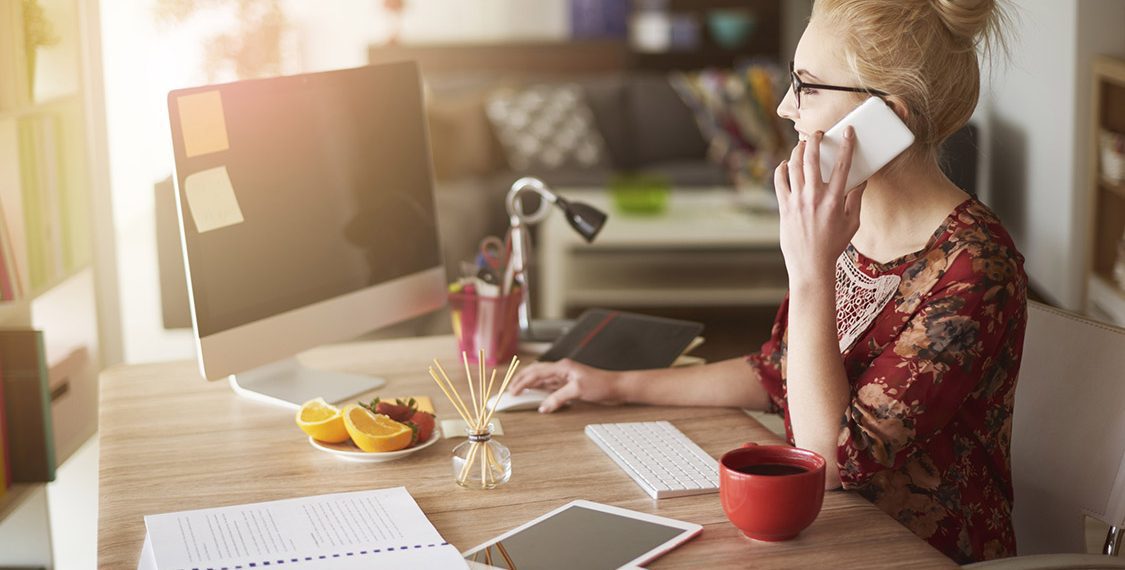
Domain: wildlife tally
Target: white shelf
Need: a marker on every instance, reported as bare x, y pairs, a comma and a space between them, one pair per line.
706, 250
1108, 298
67, 91
32, 108
16, 495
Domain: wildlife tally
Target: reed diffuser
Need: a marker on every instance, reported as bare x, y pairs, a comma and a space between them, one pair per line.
481, 462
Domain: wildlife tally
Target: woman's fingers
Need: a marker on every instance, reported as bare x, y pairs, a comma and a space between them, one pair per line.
796, 171
843, 164
781, 185
812, 159
568, 392
538, 375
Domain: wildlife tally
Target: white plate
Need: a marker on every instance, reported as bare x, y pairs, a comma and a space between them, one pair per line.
349, 452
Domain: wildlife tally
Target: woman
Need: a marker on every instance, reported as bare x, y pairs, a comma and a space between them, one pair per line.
896, 352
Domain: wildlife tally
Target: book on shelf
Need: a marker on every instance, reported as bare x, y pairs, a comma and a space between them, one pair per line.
619, 340
14, 88
52, 197
5, 458
27, 405
12, 234
9, 286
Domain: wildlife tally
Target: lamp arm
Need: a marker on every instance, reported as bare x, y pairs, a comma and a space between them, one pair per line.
520, 223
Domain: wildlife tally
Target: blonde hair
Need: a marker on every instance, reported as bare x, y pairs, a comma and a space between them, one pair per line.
923, 53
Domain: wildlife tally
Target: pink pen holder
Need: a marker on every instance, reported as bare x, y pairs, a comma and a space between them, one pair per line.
485, 322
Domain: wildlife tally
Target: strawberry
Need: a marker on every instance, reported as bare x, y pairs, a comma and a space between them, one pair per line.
422, 423
399, 410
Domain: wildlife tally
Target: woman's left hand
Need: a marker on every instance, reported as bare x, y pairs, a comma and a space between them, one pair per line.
818, 220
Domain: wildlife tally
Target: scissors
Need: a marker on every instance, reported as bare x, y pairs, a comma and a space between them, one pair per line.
494, 253
493, 256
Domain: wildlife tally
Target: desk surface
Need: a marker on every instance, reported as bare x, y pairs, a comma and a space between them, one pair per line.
171, 441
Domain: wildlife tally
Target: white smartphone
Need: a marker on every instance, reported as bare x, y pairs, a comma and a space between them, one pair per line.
880, 137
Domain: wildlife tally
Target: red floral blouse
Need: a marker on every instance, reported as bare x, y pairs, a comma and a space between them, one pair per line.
933, 379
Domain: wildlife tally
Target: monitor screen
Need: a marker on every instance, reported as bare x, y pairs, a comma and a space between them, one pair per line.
297, 190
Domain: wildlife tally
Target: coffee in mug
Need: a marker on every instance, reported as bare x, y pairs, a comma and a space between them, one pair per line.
771, 492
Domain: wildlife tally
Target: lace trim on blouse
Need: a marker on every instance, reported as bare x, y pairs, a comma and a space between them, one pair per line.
859, 299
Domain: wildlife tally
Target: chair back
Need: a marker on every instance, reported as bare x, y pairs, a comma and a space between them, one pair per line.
1068, 431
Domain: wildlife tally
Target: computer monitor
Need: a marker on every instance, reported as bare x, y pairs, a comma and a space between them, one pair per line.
307, 216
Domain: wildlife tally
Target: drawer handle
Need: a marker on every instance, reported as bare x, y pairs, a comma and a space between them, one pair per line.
60, 390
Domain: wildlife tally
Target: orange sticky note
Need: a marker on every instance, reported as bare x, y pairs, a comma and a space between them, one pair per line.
203, 123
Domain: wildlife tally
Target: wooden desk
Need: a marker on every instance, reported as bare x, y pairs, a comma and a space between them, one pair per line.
171, 441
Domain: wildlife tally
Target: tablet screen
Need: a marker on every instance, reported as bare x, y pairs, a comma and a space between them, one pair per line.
576, 537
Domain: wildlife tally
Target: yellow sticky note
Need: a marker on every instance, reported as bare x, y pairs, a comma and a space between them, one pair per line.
210, 197
203, 124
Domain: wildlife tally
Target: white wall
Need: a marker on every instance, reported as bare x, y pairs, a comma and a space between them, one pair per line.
794, 17
447, 21
1037, 112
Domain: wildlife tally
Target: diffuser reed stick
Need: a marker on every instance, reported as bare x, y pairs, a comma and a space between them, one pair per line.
477, 415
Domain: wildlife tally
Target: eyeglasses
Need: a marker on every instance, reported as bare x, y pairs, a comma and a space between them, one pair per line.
797, 86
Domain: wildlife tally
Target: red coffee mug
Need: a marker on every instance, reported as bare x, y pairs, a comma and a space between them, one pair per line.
771, 492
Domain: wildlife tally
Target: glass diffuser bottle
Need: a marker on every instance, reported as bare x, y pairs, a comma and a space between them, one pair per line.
481, 462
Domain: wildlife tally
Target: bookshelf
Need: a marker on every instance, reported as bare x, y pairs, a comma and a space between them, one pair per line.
1105, 294
56, 263
764, 41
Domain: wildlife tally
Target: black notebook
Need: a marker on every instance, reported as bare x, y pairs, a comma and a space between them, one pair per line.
617, 340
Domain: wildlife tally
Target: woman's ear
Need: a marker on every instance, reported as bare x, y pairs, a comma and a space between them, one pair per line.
899, 108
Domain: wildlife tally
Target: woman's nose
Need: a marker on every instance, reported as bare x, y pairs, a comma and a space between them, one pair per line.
787, 109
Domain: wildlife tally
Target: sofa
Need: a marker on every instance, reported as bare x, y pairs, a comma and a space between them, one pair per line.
646, 127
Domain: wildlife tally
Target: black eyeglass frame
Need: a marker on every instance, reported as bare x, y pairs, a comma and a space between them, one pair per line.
796, 84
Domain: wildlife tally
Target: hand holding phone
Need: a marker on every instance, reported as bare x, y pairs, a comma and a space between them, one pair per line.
880, 137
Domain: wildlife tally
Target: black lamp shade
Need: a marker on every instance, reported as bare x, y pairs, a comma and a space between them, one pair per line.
584, 218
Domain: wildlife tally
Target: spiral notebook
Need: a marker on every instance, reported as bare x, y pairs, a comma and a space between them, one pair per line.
383, 528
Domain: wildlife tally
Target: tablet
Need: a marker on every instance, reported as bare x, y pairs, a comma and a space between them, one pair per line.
583, 534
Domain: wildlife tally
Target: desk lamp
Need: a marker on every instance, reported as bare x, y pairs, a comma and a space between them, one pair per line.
584, 218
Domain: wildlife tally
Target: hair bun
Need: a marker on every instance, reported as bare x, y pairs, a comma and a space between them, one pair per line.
973, 20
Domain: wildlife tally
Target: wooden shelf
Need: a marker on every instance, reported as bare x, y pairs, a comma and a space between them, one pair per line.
691, 60
764, 40
702, 297
1105, 299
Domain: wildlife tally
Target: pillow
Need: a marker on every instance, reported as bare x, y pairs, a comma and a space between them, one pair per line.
546, 127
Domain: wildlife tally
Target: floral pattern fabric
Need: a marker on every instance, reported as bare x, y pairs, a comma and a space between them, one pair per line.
926, 434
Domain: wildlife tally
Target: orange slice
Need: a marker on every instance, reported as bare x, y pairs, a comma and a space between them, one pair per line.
322, 421
375, 432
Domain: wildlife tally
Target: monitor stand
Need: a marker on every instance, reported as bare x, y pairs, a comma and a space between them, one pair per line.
287, 383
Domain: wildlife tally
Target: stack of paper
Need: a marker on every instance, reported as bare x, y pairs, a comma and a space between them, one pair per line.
365, 529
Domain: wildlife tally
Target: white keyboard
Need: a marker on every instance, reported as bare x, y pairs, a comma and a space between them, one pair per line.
659, 457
